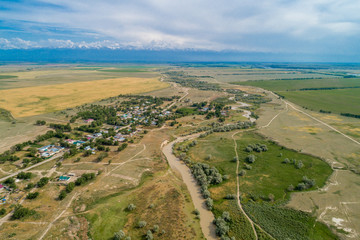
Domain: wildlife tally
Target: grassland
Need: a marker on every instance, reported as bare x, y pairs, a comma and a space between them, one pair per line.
30, 101
267, 176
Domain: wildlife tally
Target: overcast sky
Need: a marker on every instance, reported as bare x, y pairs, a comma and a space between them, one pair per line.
265, 26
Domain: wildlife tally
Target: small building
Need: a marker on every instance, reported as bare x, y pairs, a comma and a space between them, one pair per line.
64, 178
90, 120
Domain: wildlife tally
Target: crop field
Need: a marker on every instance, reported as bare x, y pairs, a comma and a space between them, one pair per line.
337, 95
29, 76
293, 85
30, 101
336, 101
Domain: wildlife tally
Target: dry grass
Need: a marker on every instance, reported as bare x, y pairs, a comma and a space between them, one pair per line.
30, 101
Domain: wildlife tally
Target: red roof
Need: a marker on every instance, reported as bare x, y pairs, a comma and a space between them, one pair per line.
1, 186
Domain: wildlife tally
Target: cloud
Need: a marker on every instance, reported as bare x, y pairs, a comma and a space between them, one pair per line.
241, 25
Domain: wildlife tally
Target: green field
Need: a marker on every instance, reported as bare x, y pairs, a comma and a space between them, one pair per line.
337, 95
7, 76
336, 101
267, 176
293, 85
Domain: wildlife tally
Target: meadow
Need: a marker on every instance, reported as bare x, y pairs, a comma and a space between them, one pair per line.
268, 176
22, 102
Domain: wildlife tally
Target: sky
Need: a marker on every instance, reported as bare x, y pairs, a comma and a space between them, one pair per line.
279, 27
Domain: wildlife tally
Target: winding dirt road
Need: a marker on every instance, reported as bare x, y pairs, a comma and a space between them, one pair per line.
206, 216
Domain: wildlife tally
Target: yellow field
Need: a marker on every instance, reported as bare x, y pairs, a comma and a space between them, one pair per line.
29, 101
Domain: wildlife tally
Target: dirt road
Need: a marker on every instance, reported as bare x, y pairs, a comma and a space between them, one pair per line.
206, 216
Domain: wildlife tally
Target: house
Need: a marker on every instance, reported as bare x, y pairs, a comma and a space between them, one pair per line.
45, 148
64, 178
1, 187
70, 141
90, 120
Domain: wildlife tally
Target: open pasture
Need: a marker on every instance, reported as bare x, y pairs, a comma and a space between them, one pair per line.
30, 101
50, 75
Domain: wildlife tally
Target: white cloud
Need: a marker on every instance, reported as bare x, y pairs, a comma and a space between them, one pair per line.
195, 24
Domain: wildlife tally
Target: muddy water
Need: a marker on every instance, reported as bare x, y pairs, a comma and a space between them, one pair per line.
206, 216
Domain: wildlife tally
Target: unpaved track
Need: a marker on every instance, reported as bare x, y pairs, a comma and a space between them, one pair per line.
238, 190
31, 167
59, 216
312, 117
206, 216
238, 186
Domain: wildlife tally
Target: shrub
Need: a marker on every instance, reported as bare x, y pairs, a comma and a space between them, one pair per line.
299, 164
131, 207
290, 188
242, 173
156, 228
119, 235
221, 227
226, 216
209, 203
286, 161
149, 235
32, 195
2, 211
230, 196
250, 158
142, 224
29, 186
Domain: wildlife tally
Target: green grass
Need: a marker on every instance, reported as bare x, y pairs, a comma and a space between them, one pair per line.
5, 115
128, 70
284, 223
268, 175
336, 101
292, 85
7, 76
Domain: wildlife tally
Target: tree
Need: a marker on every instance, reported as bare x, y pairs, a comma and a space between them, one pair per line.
250, 158
32, 195
221, 227
206, 194
42, 182
226, 216
301, 186
62, 195
21, 212
70, 187
290, 188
